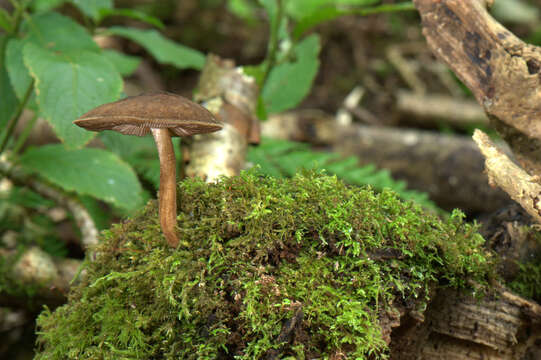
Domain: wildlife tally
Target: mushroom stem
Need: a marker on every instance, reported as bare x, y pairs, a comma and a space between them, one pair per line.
167, 195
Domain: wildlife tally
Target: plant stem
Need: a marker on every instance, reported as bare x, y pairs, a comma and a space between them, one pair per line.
273, 43
24, 134
13, 121
20, 8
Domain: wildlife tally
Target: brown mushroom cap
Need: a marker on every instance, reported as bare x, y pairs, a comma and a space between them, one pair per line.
136, 115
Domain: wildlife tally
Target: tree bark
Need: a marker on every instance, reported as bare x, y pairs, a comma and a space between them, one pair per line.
503, 72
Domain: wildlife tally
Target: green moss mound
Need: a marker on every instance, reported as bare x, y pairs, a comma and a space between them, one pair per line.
268, 268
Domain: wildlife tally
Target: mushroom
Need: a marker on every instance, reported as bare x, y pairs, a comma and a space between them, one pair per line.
164, 115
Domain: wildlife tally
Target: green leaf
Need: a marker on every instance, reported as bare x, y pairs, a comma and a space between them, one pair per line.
49, 30
46, 5
92, 8
8, 99
93, 172
6, 22
300, 9
271, 7
18, 73
128, 146
57, 32
163, 49
139, 152
70, 84
288, 83
100, 215
244, 9
124, 64
133, 14
310, 13
315, 18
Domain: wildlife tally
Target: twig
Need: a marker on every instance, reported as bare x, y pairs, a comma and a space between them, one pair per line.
455, 112
405, 68
521, 186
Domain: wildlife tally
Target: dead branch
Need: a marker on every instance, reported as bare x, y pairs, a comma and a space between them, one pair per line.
460, 326
450, 168
456, 112
502, 71
521, 186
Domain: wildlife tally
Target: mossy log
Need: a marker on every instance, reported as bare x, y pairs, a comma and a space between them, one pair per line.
299, 268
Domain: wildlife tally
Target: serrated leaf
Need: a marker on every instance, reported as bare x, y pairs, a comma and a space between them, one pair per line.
18, 73
93, 172
124, 64
133, 14
92, 8
290, 82
57, 32
51, 31
163, 49
70, 84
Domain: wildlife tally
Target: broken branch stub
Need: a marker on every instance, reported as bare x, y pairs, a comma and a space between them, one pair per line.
503, 72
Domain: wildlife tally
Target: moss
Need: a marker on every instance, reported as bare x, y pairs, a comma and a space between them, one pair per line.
527, 281
296, 267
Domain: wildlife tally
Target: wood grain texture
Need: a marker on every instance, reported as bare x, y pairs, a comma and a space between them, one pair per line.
503, 72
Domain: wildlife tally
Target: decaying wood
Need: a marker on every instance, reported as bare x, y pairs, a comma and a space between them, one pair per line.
232, 96
461, 326
504, 75
521, 186
508, 233
503, 72
449, 168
